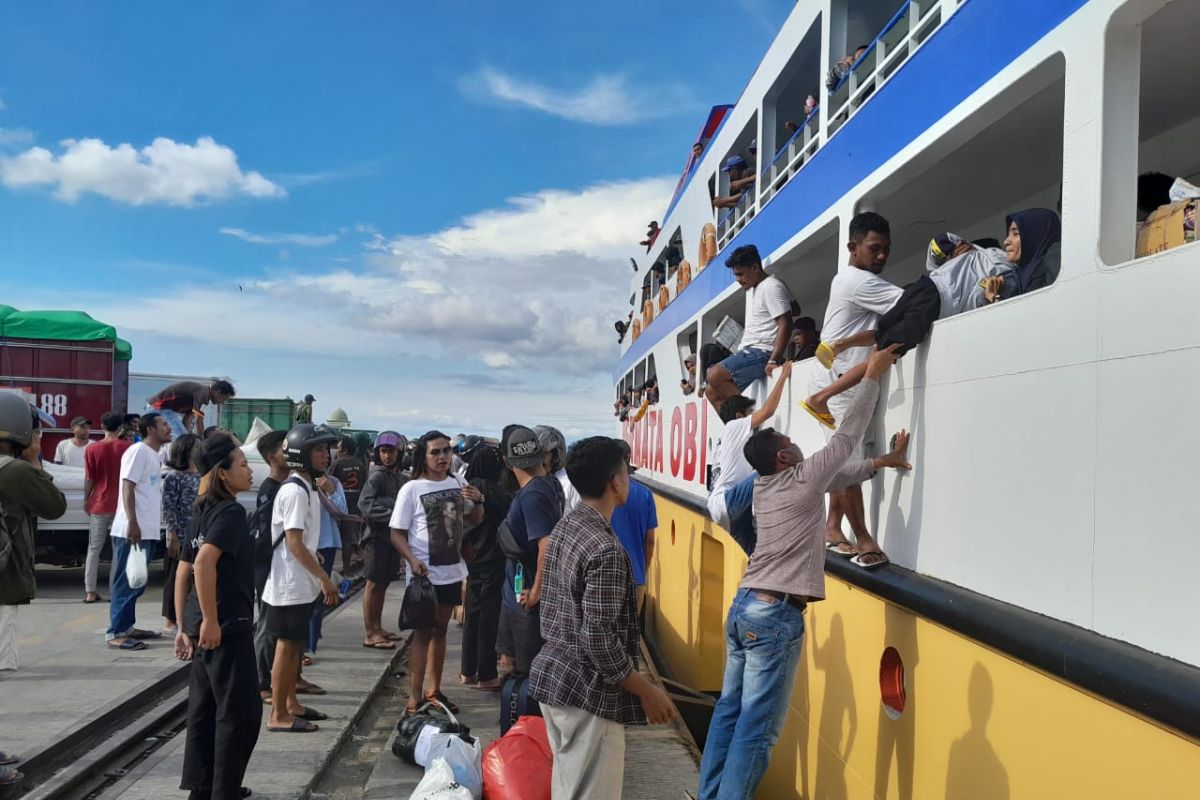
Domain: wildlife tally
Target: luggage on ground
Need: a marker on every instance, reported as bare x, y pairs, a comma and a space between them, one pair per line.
517, 766
515, 701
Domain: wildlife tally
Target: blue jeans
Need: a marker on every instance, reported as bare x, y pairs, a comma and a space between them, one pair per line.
122, 606
747, 366
763, 641
174, 420
739, 505
326, 554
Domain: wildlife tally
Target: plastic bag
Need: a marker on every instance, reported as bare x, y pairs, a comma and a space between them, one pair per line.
414, 730
517, 766
419, 610
137, 571
438, 784
465, 758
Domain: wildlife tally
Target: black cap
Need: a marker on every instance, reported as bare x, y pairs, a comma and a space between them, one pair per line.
212, 451
308, 398
521, 448
81, 421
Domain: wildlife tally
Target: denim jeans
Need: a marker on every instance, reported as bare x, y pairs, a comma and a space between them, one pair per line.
174, 420
763, 640
122, 608
739, 501
747, 366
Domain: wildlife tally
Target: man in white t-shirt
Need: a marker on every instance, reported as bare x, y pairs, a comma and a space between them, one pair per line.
729, 502
296, 579
858, 297
70, 451
768, 329
137, 523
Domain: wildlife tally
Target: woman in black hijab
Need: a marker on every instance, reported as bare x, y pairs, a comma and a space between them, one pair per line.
1033, 247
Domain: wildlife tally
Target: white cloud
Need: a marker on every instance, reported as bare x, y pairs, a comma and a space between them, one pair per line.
604, 100
164, 172
506, 316
298, 239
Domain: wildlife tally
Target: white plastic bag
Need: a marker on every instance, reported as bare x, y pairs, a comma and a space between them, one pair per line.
438, 784
464, 758
137, 571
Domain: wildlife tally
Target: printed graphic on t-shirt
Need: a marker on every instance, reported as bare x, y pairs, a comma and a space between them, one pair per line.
444, 519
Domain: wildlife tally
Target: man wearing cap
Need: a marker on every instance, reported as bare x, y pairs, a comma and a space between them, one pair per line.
741, 179
536, 509
304, 411
70, 451
381, 561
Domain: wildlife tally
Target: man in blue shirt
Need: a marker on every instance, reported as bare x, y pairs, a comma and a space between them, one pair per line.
535, 510
634, 523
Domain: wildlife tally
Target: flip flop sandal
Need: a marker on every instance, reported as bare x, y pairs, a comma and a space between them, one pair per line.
298, 726
6, 759
467, 681
837, 549
309, 688
98, 599
246, 791
445, 701
312, 715
825, 355
878, 560
306, 661
384, 645
10, 776
393, 637
825, 419
488, 686
129, 644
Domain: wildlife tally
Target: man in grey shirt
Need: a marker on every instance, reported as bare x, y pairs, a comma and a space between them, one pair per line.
765, 627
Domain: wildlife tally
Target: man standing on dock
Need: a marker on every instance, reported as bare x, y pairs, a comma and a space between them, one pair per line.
765, 627
586, 676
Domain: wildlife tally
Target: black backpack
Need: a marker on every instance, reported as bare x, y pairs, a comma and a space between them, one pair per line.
260, 529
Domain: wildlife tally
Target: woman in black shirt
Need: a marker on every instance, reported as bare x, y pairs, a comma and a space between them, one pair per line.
224, 710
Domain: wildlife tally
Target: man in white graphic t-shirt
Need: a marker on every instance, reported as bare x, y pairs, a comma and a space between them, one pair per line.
768, 329
137, 523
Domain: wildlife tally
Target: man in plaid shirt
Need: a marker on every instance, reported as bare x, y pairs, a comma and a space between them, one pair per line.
586, 677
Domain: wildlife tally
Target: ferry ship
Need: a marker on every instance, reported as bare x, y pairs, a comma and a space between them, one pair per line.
1037, 634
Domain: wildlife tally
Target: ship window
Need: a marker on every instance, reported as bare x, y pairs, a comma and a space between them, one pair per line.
686, 344
793, 137
809, 268
1005, 157
1162, 194
737, 191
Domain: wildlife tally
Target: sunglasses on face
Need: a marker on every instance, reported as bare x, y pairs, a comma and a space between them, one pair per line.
439, 451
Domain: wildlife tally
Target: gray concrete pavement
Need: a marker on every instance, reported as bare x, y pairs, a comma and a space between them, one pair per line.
67, 674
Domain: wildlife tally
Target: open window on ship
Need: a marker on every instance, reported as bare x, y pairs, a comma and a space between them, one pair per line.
735, 199
1168, 124
686, 343
791, 113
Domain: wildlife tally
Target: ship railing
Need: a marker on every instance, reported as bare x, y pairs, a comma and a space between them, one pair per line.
736, 218
794, 154
896, 43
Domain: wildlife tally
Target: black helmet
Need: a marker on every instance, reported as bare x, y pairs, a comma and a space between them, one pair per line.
16, 419
299, 444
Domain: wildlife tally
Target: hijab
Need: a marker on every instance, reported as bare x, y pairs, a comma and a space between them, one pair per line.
1040, 230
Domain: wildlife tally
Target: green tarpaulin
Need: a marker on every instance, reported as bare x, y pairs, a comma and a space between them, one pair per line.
70, 326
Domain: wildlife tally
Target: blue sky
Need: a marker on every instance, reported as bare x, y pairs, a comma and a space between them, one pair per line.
428, 207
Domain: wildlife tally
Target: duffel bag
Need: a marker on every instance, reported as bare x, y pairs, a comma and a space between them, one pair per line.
414, 731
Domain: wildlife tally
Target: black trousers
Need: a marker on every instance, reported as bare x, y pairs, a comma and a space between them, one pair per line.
168, 599
481, 620
224, 715
264, 648
908, 322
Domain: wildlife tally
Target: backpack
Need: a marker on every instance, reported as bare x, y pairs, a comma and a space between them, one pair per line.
260, 529
510, 545
6, 539
515, 701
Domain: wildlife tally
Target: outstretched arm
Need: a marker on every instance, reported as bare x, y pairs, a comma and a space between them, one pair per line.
768, 409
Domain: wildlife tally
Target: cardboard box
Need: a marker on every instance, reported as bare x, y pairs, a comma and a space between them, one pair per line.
1165, 229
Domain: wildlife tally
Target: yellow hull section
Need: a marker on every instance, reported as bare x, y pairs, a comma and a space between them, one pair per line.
977, 725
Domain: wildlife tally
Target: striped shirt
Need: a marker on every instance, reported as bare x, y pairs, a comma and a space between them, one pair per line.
588, 621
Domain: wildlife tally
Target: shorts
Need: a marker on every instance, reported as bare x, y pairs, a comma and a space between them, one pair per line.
289, 623
449, 594
909, 320
381, 562
747, 366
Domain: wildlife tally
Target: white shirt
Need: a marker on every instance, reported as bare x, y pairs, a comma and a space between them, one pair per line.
432, 512
289, 583
569, 490
731, 467
140, 464
857, 299
764, 304
69, 453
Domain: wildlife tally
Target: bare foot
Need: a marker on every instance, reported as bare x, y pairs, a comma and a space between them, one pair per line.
817, 405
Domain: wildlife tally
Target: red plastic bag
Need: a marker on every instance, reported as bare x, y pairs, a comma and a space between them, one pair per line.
517, 766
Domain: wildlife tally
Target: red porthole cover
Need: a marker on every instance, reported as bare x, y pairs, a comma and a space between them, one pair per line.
891, 682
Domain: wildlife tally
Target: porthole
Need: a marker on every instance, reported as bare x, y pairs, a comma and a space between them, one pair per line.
891, 683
